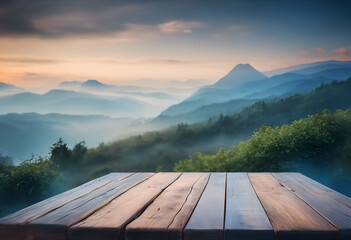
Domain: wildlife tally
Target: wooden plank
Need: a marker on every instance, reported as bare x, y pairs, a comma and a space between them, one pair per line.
55, 224
324, 201
167, 216
245, 217
316, 185
290, 217
109, 222
207, 220
14, 225
41, 208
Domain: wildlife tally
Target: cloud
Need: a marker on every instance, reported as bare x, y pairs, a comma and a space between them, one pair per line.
31, 60
320, 50
55, 19
321, 54
343, 51
179, 26
317, 51
149, 61
101, 19
31, 75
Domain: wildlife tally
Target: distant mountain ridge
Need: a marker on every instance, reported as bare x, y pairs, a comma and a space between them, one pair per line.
95, 85
221, 91
5, 87
72, 102
245, 82
23, 134
310, 68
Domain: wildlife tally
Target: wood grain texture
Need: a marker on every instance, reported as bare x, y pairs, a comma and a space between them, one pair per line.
14, 225
207, 220
245, 217
55, 224
109, 222
290, 217
316, 185
167, 216
323, 200
187, 206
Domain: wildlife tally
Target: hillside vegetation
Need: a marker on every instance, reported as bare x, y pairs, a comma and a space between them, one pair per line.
163, 149
322, 138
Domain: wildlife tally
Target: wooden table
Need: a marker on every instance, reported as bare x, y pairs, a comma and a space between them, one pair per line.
187, 206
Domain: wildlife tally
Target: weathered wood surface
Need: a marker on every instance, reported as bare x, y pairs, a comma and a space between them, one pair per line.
56, 222
207, 220
167, 216
15, 224
187, 206
324, 201
291, 218
245, 217
109, 222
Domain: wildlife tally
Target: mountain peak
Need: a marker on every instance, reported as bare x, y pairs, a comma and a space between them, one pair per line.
241, 73
93, 82
243, 66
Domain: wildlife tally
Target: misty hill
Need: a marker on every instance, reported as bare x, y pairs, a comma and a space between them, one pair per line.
9, 88
162, 149
204, 113
99, 88
233, 106
71, 102
96, 86
310, 68
70, 85
277, 86
23, 134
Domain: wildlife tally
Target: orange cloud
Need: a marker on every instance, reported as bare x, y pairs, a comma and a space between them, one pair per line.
343, 50
320, 50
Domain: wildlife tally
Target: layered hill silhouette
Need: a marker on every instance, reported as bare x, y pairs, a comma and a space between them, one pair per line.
71, 102
310, 68
33, 133
94, 86
165, 148
248, 85
9, 88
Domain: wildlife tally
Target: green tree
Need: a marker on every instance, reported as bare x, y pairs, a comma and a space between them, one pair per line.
27, 183
78, 153
61, 154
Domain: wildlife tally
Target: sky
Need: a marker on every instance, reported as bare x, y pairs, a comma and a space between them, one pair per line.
45, 42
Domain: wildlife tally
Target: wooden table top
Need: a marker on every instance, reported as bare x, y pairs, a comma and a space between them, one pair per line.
187, 206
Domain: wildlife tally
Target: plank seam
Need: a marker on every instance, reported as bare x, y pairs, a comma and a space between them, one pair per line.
195, 205
143, 210
51, 199
290, 190
37, 217
92, 198
186, 199
225, 205
248, 176
97, 209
